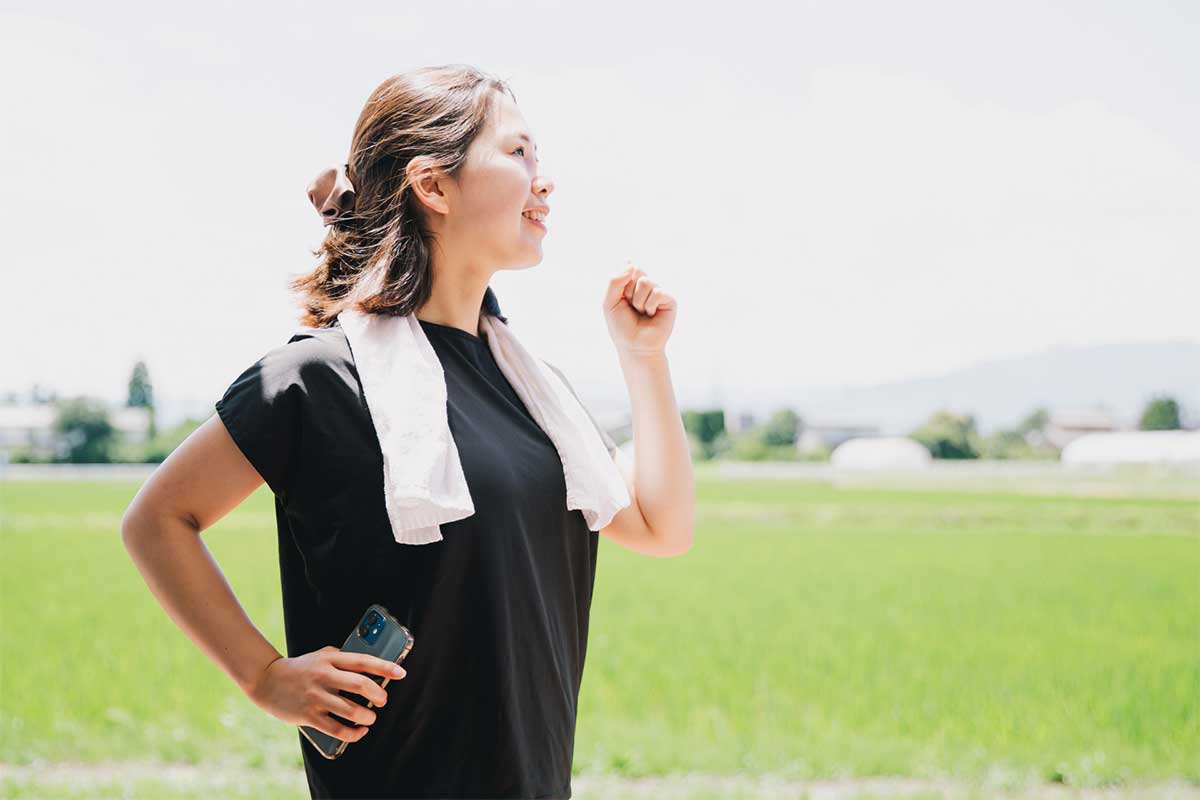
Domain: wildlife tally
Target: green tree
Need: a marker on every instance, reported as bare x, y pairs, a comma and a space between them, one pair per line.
1035, 421
949, 435
1005, 444
141, 394
781, 429
1160, 414
708, 427
87, 434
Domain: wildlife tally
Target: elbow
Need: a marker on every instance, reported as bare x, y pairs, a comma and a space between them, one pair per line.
130, 528
685, 534
678, 543
681, 535
127, 524
133, 520
143, 518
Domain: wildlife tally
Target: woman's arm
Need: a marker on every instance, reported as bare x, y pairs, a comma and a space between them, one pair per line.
660, 519
198, 484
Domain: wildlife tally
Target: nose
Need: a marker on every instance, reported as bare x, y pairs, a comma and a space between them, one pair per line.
543, 186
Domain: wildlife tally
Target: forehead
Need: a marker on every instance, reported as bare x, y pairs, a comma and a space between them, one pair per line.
509, 122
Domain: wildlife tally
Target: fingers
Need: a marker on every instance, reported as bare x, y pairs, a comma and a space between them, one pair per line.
637, 287
364, 662
641, 291
322, 701
329, 701
359, 684
644, 294
656, 299
346, 708
345, 672
616, 287
328, 725
631, 284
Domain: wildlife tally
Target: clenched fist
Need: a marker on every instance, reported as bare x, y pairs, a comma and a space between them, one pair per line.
640, 313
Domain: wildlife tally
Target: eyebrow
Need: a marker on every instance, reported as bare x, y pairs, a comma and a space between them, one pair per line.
525, 138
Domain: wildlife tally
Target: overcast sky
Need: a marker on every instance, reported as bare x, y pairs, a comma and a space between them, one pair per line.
835, 193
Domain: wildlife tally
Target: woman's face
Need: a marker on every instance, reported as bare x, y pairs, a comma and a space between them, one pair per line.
499, 180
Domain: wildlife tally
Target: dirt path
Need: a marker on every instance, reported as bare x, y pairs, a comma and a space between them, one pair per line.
188, 780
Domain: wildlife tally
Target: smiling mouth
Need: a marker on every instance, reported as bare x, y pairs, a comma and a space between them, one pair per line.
541, 225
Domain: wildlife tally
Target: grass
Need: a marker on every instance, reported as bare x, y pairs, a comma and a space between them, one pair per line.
812, 632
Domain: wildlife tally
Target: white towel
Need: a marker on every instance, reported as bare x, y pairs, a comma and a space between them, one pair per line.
405, 390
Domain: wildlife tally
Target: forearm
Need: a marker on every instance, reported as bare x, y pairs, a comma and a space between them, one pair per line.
180, 571
662, 470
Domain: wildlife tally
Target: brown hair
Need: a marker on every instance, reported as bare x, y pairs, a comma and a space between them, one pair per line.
375, 259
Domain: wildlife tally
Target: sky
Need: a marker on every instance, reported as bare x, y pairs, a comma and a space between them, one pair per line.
838, 193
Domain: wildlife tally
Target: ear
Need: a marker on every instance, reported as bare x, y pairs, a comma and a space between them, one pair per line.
428, 185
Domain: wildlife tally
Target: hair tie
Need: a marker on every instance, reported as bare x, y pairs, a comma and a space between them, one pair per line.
332, 194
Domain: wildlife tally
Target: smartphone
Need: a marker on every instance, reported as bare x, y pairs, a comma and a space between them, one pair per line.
378, 633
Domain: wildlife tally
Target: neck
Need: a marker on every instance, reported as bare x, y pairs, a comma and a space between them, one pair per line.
456, 299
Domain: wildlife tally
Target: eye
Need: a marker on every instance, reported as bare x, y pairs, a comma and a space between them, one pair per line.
521, 149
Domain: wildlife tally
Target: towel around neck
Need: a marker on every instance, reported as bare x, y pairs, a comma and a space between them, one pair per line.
405, 390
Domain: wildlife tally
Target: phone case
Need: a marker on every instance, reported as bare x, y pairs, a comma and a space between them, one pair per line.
382, 636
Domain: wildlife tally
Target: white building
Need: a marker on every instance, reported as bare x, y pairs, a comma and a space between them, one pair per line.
1063, 427
1134, 447
881, 452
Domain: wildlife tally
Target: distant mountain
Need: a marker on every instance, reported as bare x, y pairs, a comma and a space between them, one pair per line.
1118, 378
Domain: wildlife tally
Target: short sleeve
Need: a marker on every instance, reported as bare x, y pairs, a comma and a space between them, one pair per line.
609, 443
261, 409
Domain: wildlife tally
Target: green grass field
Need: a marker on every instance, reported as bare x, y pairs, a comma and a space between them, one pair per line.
812, 632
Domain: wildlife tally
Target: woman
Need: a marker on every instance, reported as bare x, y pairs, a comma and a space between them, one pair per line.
435, 199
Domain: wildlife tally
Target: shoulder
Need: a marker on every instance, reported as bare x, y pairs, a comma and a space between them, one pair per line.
313, 366
318, 346
296, 396
312, 354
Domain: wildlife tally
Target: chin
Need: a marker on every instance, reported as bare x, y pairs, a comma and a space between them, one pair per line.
532, 257
525, 261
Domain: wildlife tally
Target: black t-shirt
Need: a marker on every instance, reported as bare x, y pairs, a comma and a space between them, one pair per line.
498, 608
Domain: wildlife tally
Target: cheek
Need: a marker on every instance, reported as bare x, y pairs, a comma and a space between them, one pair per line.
504, 207
508, 187
495, 199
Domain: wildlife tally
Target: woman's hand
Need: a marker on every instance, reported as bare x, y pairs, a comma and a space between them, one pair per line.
639, 313
302, 690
